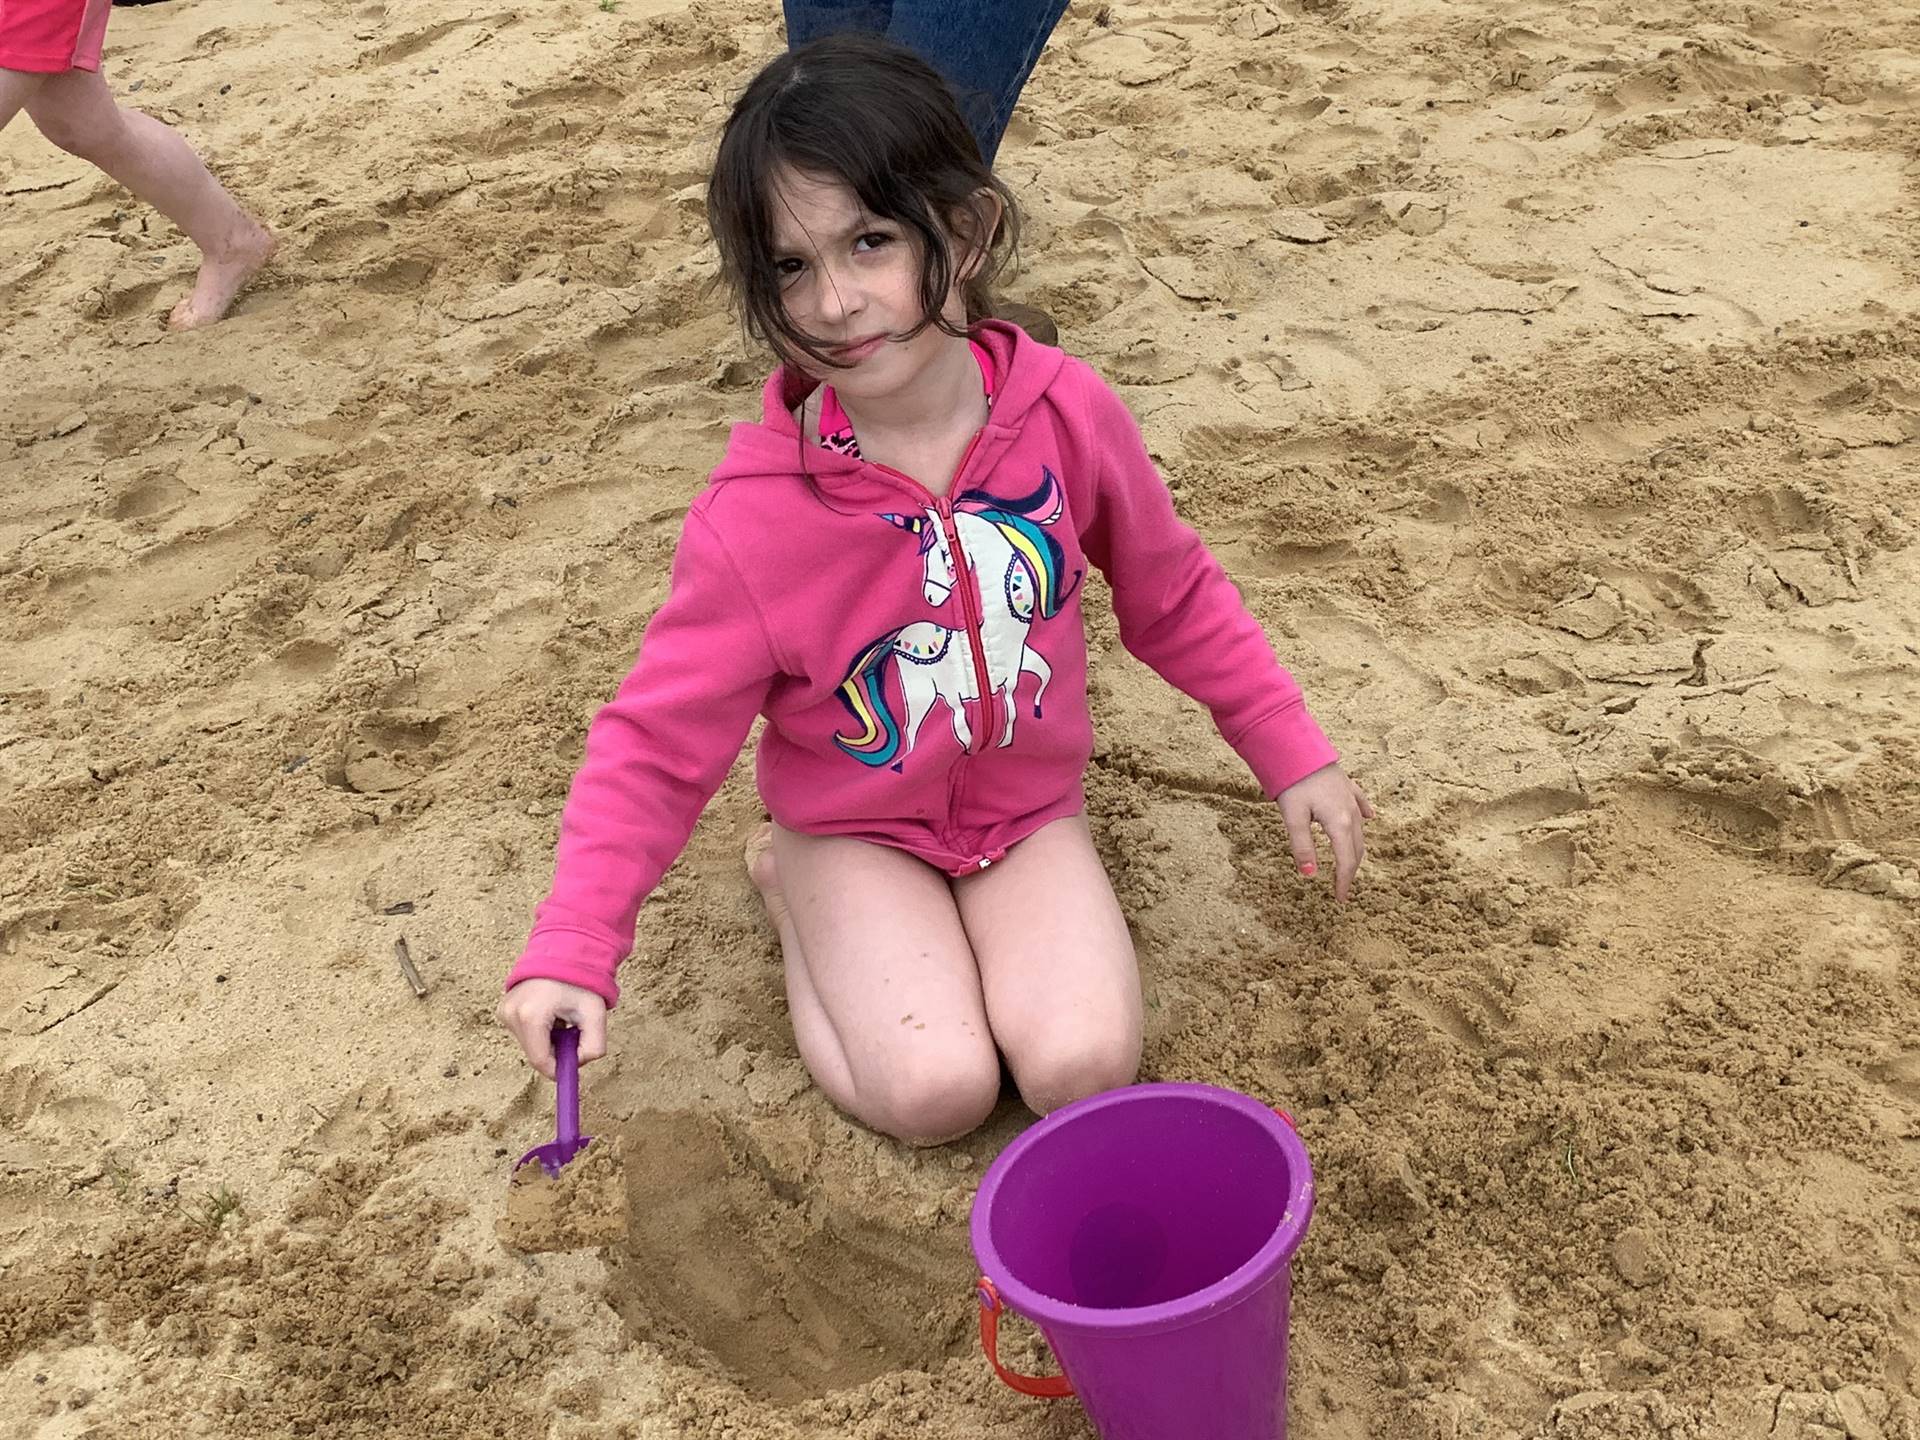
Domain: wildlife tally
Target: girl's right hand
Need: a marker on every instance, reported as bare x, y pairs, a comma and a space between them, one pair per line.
530, 1009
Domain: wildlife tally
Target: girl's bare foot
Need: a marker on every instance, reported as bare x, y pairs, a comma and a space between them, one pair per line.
766, 879
223, 274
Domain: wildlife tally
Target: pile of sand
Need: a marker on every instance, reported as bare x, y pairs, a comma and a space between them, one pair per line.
1549, 378
582, 1207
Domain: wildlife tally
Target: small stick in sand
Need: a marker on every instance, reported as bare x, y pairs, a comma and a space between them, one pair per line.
406, 967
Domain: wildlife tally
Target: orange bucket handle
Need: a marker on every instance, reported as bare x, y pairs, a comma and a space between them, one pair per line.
1047, 1387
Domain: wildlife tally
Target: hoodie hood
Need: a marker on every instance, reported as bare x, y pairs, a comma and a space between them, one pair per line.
772, 447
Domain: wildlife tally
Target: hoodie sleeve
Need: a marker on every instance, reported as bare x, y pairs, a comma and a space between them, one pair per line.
1180, 613
655, 755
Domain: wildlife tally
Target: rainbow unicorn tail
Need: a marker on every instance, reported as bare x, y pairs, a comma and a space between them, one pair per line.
864, 693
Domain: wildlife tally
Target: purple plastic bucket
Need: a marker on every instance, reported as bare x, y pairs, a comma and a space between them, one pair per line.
1147, 1231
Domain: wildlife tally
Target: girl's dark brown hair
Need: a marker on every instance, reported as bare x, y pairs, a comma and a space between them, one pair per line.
872, 115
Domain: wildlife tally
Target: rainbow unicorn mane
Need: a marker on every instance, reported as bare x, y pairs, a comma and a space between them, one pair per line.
1020, 521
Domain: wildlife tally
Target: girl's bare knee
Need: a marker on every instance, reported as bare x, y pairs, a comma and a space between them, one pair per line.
85, 135
941, 1098
1066, 1068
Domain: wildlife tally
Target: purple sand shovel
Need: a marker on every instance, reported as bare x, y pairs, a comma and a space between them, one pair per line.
567, 1140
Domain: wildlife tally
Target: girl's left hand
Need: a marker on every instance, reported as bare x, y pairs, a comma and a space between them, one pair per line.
1329, 798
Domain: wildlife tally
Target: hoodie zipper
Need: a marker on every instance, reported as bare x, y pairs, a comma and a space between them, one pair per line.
965, 582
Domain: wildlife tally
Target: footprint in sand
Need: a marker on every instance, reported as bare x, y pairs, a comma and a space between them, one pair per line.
1324, 163
388, 750
407, 46
1538, 832
1132, 58
173, 575
396, 274
1466, 1010
345, 238
153, 496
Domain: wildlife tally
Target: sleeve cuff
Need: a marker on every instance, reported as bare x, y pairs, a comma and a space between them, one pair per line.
584, 973
1284, 749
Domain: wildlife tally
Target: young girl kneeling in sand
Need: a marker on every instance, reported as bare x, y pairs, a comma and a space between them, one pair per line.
888, 567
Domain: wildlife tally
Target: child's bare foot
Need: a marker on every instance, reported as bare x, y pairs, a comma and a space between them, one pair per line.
223, 274
766, 879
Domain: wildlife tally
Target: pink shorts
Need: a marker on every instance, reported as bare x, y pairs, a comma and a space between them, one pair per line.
48, 36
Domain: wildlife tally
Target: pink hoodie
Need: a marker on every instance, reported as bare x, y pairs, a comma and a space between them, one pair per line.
921, 660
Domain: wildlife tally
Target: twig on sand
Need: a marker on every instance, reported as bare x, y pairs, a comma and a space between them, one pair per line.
406, 967
1567, 1160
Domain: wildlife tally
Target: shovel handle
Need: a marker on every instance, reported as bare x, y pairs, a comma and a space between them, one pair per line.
566, 1073
1047, 1387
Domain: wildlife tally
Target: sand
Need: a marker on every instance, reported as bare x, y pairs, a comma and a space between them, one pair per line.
1549, 376
583, 1206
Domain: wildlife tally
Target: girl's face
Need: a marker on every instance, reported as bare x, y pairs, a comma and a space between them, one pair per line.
853, 280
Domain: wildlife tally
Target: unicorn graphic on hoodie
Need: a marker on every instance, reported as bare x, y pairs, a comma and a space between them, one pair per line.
1015, 571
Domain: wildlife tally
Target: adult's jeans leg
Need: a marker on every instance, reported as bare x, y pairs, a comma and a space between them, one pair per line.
985, 48
810, 19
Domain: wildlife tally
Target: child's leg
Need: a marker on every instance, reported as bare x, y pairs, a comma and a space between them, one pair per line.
886, 1001
1056, 965
76, 111
16, 88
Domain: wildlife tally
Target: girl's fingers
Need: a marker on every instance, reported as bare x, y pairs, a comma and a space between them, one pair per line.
593, 1033
529, 1014
1300, 836
535, 1033
1366, 805
1346, 857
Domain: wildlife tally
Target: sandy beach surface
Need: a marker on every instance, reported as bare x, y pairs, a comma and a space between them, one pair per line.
1548, 376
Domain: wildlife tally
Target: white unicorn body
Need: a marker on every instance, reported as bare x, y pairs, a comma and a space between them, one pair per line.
936, 661
1014, 569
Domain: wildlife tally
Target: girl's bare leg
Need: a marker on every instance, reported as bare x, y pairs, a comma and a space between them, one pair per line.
885, 996
1056, 965
16, 88
77, 112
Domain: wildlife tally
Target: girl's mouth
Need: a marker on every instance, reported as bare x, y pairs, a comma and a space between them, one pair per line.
858, 350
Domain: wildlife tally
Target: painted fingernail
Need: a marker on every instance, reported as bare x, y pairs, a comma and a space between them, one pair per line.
1309, 869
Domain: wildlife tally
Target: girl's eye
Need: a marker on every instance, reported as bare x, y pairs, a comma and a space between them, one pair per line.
873, 239
786, 269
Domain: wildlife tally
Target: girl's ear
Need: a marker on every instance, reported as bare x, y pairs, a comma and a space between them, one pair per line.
974, 228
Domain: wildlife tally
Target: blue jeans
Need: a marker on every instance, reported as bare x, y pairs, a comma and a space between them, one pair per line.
985, 48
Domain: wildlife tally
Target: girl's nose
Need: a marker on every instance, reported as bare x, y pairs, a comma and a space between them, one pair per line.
840, 295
